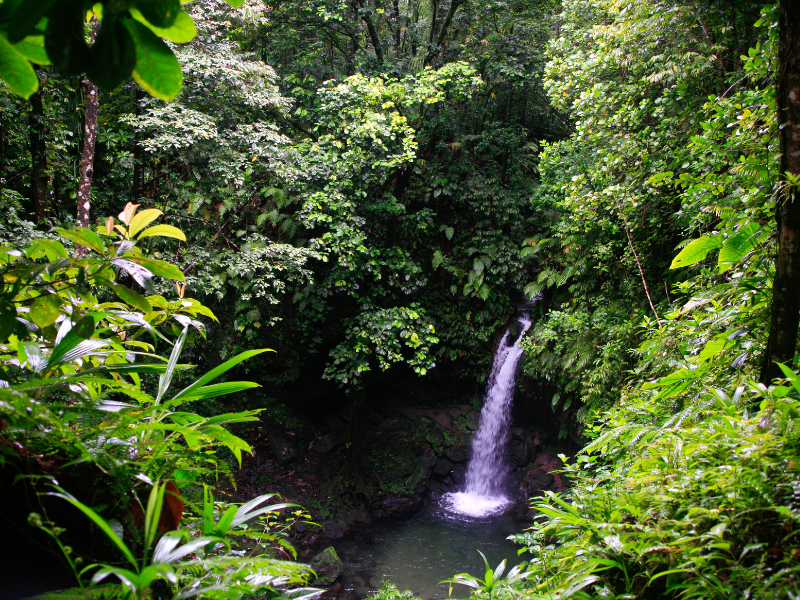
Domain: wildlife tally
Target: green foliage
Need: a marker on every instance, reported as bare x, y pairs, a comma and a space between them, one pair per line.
654, 159
67, 359
389, 591
493, 580
128, 43
215, 573
382, 335
697, 503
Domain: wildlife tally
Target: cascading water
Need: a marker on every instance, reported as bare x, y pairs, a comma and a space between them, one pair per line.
484, 493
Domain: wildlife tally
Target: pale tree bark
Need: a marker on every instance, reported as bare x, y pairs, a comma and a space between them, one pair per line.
87, 155
786, 285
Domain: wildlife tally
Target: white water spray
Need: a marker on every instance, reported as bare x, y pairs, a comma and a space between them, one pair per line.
484, 493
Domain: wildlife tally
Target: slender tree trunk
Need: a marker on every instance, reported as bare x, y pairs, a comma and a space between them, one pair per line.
87, 154
3, 133
138, 151
36, 135
786, 285
454, 4
373, 34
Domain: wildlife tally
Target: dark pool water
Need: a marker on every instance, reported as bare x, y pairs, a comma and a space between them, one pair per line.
418, 552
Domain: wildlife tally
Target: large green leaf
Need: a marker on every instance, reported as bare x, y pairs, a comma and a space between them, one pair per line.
739, 245
45, 309
32, 48
216, 372
84, 237
180, 32
112, 56
163, 230
131, 297
161, 268
160, 13
142, 219
696, 251
157, 69
220, 389
15, 69
166, 379
26, 17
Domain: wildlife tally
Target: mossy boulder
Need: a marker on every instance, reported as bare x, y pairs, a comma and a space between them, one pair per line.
328, 566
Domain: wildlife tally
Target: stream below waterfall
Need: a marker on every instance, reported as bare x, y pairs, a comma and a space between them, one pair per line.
443, 539
419, 551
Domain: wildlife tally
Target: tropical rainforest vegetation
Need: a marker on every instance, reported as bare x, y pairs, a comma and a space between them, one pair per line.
367, 186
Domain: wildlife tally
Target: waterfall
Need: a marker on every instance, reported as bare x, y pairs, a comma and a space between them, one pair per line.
484, 493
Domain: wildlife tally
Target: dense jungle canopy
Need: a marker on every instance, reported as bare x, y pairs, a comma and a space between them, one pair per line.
371, 188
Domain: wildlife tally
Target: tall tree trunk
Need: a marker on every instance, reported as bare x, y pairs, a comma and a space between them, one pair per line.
36, 135
138, 151
87, 155
373, 33
3, 134
786, 285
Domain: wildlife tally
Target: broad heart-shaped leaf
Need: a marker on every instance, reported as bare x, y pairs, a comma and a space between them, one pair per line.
161, 13
112, 56
163, 231
84, 237
696, 251
15, 69
64, 38
26, 17
739, 245
32, 48
180, 32
157, 69
45, 310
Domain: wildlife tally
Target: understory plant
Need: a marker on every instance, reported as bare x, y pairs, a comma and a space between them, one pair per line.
702, 505
493, 580
93, 414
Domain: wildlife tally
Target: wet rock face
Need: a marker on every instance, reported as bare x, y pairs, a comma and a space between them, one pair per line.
520, 454
334, 530
539, 476
457, 455
327, 566
327, 443
283, 446
443, 467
